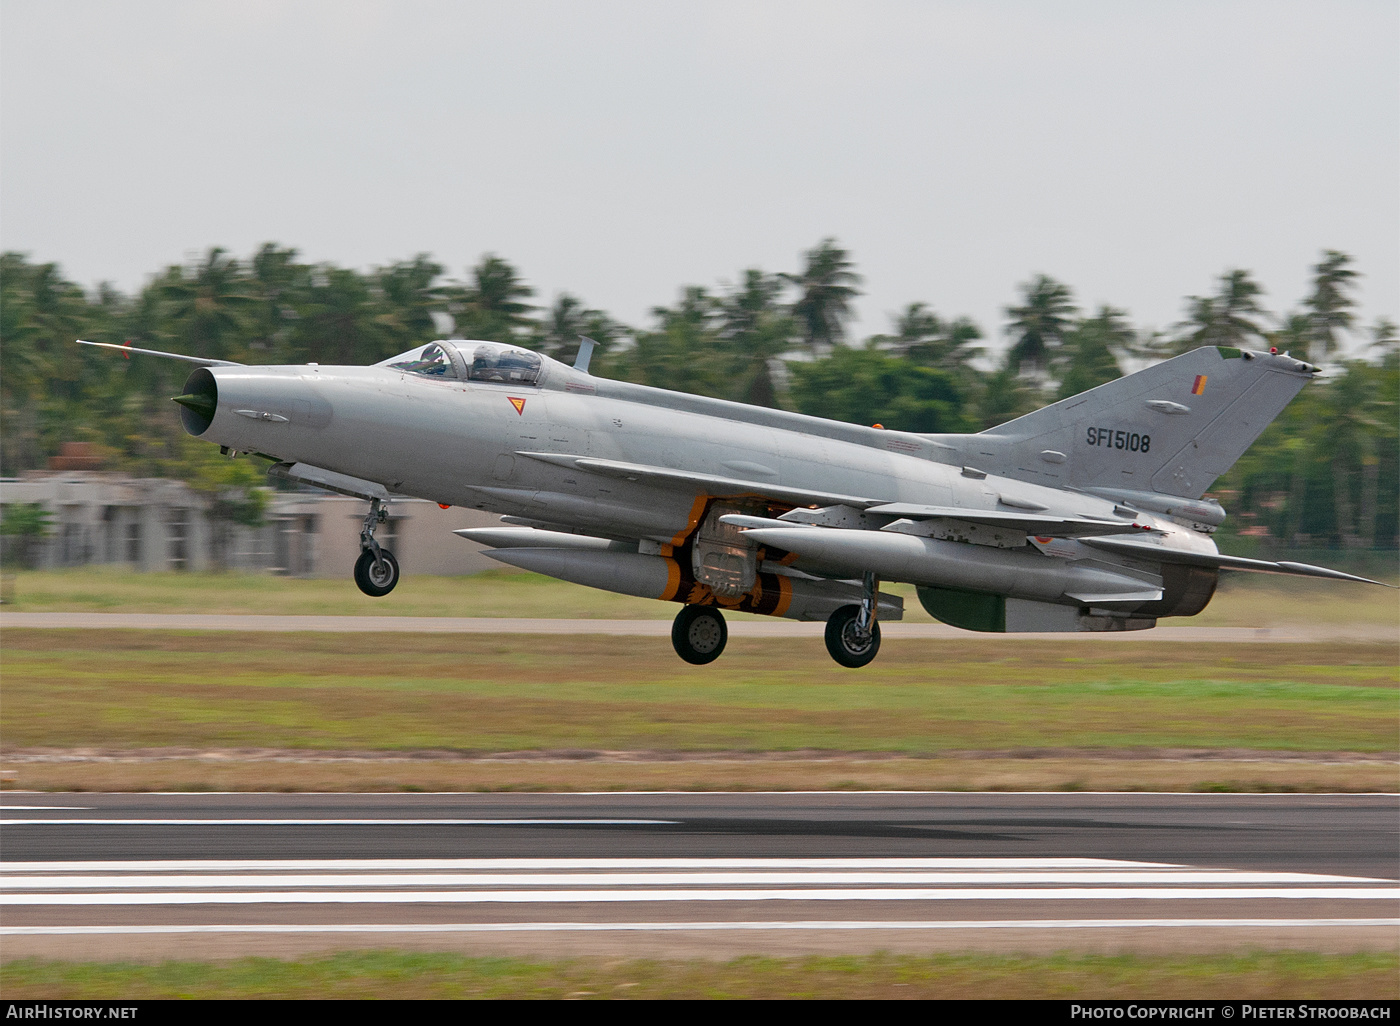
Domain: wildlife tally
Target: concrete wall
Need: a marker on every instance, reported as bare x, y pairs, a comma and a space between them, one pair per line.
319, 536
153, 524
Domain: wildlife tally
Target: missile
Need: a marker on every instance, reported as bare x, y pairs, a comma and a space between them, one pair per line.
661, 577
1016, 573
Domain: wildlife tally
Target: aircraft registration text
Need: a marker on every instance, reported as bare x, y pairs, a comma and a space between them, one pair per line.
1116, 439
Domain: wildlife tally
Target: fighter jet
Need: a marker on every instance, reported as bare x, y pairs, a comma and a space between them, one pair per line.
1087, 515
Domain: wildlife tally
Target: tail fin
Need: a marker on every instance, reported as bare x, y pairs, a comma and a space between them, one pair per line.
1172, 428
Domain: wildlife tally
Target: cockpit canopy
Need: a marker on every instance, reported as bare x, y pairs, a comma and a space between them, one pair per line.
470, 361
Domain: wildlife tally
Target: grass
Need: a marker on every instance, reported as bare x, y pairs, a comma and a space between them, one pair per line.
771, 714
1243, 600
476, 693
505, 593
254, 698
388, 974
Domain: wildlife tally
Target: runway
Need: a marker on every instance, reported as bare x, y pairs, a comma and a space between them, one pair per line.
88, 875
739, 627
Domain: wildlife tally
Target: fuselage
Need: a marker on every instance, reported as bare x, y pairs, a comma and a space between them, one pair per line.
487, 445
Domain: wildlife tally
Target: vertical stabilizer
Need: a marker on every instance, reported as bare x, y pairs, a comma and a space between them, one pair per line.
1172, 428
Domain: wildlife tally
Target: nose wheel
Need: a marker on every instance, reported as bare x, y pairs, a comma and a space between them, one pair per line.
376, 571
847, 644
699, 634
852, 632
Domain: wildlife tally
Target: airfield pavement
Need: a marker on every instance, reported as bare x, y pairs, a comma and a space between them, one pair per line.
696, 875
199, 875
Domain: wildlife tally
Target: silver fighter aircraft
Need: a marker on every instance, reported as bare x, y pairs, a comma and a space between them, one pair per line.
1087, 515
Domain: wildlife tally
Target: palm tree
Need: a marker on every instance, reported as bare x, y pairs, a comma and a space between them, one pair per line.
929, 340
408, 297
1229, 318
492, 306
1384, 338
756, 331
563, 323
684, 352
1354, 413
827, 286
1331, 303
1089, 356
280, 284
210, 303
917, 324
1237, 306
1293, 335
339, 321
1039, 324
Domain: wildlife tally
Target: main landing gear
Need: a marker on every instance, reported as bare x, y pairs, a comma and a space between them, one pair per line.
376, 571
852, 633
699, 634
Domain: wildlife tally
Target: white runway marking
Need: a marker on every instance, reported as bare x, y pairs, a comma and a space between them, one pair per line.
425, 821
1116, 878
592, 881
507, 864
734, 894
814, 924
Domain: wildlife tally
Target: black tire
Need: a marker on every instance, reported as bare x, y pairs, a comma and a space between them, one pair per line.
376, 578
699, 634
843, 644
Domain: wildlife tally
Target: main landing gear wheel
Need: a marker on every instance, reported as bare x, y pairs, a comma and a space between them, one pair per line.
847, 644
376, 576
699, 634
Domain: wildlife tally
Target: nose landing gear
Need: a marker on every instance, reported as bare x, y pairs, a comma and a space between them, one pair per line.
376, 571
852, 632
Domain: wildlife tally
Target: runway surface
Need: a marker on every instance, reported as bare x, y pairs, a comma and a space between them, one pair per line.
764, 627
93, 875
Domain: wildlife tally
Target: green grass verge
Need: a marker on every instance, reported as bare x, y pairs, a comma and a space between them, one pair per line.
388, 974
396, 692
1243, 600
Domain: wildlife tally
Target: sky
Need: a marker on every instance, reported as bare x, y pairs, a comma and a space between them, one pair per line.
619, 150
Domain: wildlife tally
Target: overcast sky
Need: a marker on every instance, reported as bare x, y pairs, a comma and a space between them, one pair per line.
618, 150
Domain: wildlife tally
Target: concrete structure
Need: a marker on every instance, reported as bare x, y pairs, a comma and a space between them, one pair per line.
152, 524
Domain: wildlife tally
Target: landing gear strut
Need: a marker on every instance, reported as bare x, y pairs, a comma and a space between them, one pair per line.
376, 571
699, 634
852, 632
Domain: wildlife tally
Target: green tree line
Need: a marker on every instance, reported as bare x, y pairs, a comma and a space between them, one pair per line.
1324, 474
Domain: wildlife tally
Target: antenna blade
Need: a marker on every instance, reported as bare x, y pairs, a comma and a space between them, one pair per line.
585, 353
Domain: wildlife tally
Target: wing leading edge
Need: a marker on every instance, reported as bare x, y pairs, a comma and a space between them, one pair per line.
202, 361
